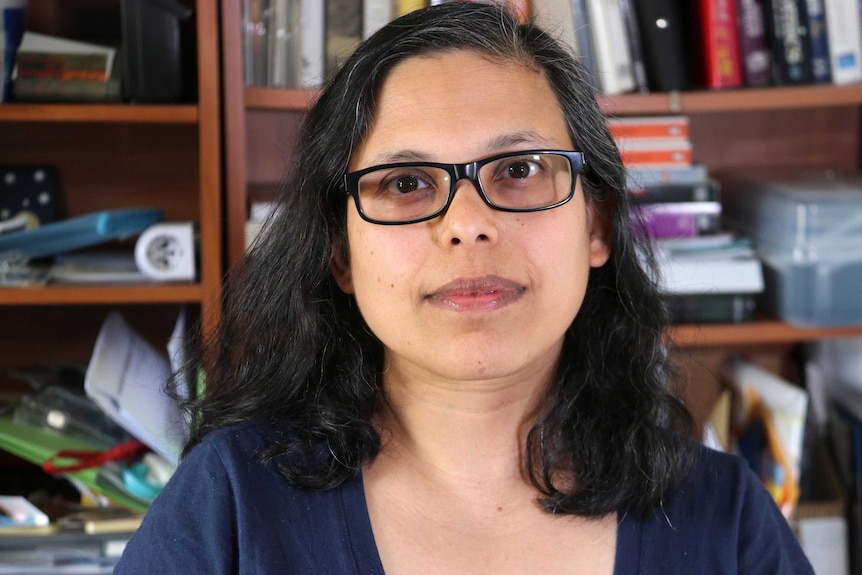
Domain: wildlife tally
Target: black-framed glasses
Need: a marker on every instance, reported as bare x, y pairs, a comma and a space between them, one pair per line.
410, 192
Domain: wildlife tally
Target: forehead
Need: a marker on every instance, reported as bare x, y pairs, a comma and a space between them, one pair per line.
462, 103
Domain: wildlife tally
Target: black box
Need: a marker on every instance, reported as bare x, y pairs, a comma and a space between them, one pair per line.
157, 58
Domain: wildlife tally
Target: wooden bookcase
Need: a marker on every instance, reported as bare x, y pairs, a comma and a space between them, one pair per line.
810, 126
111, 156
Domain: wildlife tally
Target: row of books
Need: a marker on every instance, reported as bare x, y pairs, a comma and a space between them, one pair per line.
666, 45
626, 45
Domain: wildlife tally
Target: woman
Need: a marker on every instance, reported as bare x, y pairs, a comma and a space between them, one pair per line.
438, 367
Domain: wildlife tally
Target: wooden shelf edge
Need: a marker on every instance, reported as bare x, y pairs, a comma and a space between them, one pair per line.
102, 294
279, 99
131, 113
702, 101
747, 99
755, 333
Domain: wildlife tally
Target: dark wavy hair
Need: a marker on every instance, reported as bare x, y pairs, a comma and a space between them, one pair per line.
291, 347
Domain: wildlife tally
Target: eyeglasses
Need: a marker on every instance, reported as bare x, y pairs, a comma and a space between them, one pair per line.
406, 193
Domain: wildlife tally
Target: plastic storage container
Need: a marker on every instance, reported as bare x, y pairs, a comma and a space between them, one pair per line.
807, 228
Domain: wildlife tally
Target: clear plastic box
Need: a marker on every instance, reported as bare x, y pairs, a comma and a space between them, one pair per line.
807, 229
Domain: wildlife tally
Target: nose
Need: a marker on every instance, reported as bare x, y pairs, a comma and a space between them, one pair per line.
468, 219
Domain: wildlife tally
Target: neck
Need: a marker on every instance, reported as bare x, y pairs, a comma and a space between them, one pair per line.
459, 433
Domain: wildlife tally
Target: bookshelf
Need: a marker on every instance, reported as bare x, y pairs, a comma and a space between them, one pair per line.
815, 126
110, 156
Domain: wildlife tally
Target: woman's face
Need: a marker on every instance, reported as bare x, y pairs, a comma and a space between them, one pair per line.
475, 294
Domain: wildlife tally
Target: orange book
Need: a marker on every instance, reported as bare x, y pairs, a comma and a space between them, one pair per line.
655, 151
649, 127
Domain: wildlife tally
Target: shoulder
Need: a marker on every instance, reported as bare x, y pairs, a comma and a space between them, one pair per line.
211, 511
721, 515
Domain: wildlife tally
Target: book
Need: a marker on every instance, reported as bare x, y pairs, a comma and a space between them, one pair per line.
613, 64
754, 52
818, 37
52, 68
675, 126
788, 35
284, 56
845, 41
406, 6
711, 308
556, 17
632, 28
584, 39
312, 43
639, 176
12, 20
718, 276
708, 191
662, 29
343, 32
375, 15
655, 151
677, 219
717, 44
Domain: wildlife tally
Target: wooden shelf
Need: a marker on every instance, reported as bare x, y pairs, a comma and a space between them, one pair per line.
756, 333
102, 294
279, 99
129, 113
749, 99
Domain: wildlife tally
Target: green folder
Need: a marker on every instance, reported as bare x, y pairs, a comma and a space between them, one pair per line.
37, 445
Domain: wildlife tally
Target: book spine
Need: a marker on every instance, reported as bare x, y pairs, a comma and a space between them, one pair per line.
845, 41
63, 67
661, 193
556, 18
613, 62
662, 30
818, 35
787, 30
635, 42
754, 51
720, 44
656, 156
312, 43
407, 6
375, 15
343, 32
641, 176
649, 127
584, 39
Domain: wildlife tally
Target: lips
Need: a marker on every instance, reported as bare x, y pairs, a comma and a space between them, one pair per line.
486, 293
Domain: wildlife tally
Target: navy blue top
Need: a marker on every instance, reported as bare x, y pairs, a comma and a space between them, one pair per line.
224, 512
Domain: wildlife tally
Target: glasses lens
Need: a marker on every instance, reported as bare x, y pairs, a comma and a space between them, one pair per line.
403, 193
527, 181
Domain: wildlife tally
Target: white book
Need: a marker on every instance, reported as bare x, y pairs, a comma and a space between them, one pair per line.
614, 70
687, 276
312, 41
279, 43
33, 42
845, 40
556, 18
375, 15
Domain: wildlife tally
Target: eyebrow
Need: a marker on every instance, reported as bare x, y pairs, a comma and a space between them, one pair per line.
501, 143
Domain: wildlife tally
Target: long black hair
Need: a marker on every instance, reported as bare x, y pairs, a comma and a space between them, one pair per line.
291, 347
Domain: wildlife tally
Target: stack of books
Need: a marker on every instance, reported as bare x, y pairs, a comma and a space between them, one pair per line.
52, 68
707, 274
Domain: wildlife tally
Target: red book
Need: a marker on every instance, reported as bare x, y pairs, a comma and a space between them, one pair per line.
719, 44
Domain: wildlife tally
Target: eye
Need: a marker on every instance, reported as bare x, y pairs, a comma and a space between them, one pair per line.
405, 184
522, 168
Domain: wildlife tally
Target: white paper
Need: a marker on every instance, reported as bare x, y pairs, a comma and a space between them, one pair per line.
126, 377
